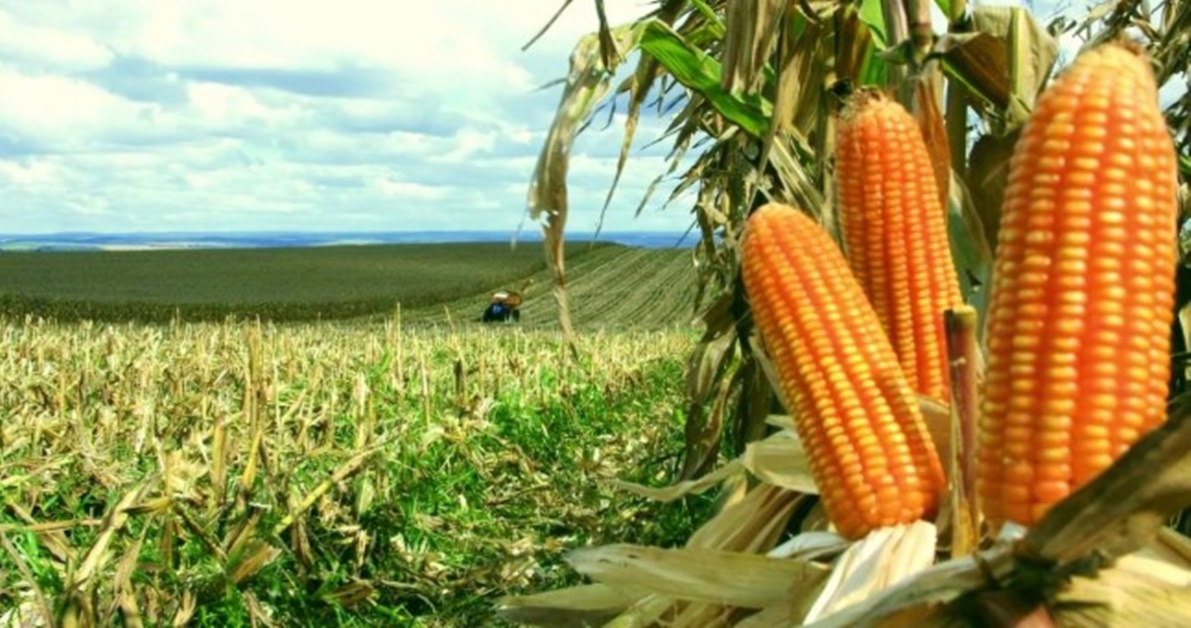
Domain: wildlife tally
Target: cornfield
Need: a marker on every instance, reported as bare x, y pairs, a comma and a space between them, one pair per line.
236, 473
207, 473
1063, 428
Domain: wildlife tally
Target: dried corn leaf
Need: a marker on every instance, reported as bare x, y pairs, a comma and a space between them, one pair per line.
1157, 570
781, 461
938, 585
185, 609
703, 575
352, 594
738, 532
701, 615
799, 184
1169, 547
779, 614
644, 613
684, 488
241, 532
751, 34
928, 111
810, 545
219, 460
884, 557
710, 358
116, 517
987, 177
639, 88
796, 103
780, 421
128, 564
734, 491
752, 405
586, 85
154, 506
126, 602
345, 470
1138, 592
770, 370
1005, 60
50, 533
590, 604
751, 525
253, 556
702, 435
260, 616
811, 46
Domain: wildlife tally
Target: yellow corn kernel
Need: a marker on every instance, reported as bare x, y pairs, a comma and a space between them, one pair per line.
870, 452
1096, 166
895, 234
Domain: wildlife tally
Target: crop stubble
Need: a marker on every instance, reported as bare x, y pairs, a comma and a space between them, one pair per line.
222, 471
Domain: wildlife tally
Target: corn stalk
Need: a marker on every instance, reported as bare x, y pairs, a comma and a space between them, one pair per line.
755, 85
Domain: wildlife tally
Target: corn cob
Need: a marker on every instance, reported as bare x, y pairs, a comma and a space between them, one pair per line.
895, 234
1083, 285
870, 453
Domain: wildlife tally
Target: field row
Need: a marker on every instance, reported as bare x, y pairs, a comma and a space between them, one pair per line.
608, 288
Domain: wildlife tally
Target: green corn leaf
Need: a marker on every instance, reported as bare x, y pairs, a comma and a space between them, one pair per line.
701, 73
870, 14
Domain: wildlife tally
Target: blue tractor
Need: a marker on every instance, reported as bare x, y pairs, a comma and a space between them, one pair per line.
505, 307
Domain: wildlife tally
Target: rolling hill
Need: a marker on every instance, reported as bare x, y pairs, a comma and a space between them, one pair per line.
608, 287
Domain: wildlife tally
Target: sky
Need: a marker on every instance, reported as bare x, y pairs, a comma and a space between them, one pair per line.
351, 115
244, 115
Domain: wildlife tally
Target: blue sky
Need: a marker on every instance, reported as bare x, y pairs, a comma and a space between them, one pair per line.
352, 115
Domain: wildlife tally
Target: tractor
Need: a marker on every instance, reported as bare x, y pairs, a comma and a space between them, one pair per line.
505, 307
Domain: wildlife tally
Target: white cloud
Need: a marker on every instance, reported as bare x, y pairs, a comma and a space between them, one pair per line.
225, 103
51, 47
28, 175
397, 190
57, 106
120, 115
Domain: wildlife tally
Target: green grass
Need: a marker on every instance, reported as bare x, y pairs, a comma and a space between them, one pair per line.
321, 283
423, 472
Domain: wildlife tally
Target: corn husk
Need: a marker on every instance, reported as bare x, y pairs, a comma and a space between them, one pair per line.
1100, 557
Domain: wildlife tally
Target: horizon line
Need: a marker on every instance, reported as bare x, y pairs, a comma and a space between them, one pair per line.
534, 233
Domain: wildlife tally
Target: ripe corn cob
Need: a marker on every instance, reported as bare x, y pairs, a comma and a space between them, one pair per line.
895, 234
1083, 284
871, 455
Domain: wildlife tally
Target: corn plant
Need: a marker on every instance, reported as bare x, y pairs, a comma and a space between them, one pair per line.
757, 89
1061, 458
